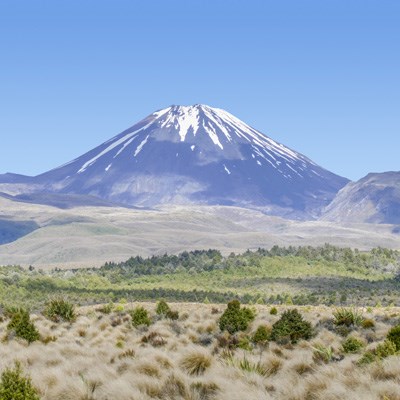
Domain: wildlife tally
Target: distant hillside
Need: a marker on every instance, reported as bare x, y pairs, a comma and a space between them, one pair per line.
373, 199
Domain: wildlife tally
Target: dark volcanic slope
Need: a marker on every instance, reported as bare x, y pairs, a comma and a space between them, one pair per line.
201, 155
374, 198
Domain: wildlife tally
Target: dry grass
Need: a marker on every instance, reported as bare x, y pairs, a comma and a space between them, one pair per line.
99, 359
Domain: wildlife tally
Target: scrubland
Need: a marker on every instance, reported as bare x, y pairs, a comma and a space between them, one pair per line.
111, 352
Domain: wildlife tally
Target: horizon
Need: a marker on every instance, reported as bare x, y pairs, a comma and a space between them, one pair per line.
322, 79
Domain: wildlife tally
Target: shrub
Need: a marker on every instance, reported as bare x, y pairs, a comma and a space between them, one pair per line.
59, 309
352, 345
367, 358
23, 327
273, 311
262, 335
106, 308
196, 362
235, 318
140, 316
162, 308
347, 317
172, 314
15, 386
385, 349
291, 327
368, 323
394, 336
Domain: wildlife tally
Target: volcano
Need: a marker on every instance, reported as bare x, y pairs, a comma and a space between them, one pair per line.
195, 155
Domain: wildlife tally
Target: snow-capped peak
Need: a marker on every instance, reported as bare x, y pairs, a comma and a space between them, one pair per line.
195, 154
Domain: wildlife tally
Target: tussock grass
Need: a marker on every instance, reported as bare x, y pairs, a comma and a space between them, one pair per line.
192, 359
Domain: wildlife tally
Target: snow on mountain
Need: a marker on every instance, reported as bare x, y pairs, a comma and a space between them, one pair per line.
202, 155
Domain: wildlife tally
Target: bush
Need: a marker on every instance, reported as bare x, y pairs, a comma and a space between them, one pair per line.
367, 358
394, 336
273, 311
368, 323
171, 314
162, 308
234, 318
347, 317
106, 308
15, 386
385, 349
23, 327
59, 309
291, 327
262, 335
352, 345
140, 316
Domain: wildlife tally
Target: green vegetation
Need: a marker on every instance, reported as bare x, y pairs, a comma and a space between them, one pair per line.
347, 317
140, 316
15, 386
385, 349
164, 310
282, 275
352, 345
59, 309
291, 327
262, 335
273, 311
235, 318
394, 336
22, 326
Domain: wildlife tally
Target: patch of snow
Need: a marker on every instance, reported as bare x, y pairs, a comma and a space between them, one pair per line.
258, 162
227, 170
140, 147
213, 135
111, 146
123, 147
108, 167
192, 147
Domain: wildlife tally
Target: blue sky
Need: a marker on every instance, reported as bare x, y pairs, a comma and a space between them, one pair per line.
320, 76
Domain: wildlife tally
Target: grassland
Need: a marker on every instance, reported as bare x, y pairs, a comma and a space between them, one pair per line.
101, 355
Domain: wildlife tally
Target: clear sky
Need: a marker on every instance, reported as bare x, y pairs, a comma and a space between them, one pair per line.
320, 76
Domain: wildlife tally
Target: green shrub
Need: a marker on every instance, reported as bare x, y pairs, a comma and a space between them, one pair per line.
106, 308
140, 316
23, 327
15, 386
262, 335
394, 336
235, 318
347, 317
172, 314
273, 311
385, 349
291, 327
367, 358
368, 323
59, 309
352, 345
162, 308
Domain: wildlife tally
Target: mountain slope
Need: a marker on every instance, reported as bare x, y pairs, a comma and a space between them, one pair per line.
374, 199
197, 155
